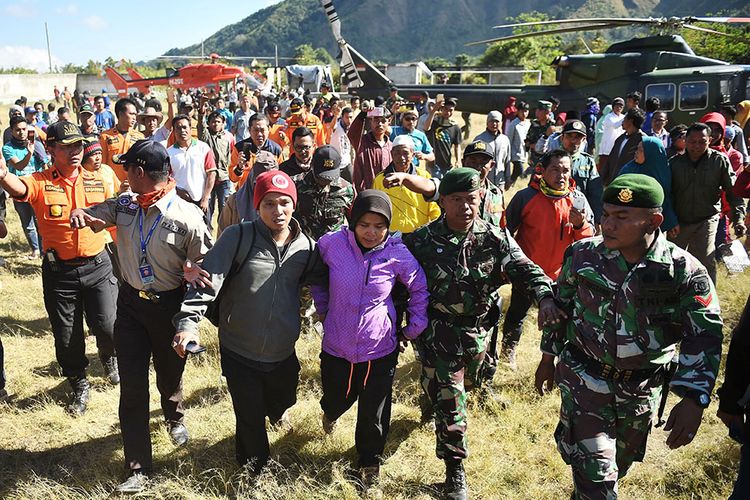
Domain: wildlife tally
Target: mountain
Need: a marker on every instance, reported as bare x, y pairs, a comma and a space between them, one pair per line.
405, 30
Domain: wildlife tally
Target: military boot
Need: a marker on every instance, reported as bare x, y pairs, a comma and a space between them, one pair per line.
81, 389
508, 353
109, 362
455, 480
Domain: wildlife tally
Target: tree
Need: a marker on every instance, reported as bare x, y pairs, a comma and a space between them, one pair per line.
306, 55
531, 53
734, 49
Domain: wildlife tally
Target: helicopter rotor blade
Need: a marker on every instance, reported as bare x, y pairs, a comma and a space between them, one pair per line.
612, 20
714, 32
692, 19
347, 63
600, 26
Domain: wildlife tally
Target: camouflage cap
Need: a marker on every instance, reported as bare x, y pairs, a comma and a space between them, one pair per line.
460, 180
634, 190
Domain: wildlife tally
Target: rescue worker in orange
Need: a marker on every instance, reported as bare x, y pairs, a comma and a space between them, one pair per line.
300, 117
118, 139
76, 270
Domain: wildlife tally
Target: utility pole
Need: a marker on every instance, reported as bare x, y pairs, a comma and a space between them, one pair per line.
49, 53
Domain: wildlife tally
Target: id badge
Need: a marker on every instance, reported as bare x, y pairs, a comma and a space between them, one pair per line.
147, 274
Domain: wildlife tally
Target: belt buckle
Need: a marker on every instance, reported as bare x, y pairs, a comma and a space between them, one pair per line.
149, 295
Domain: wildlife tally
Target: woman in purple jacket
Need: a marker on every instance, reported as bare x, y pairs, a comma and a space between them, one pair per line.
360, 348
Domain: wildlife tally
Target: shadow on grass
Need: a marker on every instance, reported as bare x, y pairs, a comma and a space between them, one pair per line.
79, 465
25, 267
38, 327
206, 396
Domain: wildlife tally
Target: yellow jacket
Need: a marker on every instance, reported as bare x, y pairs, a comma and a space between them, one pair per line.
410, 210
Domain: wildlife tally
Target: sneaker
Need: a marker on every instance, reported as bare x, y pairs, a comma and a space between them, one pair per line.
109, 363
178, 433
80, 400
283, 424
328, 425
455, 480
135, 483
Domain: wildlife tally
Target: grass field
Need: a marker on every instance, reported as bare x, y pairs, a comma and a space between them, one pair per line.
44, 453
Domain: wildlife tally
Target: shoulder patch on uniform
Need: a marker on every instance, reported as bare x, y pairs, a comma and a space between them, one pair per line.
701, 285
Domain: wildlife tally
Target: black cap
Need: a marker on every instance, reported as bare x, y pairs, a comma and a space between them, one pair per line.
576, 126
370, 200
326, 162
478, 148
147, 154
64, 133
393, 88
451, 101
273, 107
296, 105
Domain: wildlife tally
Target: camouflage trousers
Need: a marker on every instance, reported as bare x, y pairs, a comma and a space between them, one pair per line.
446, 382
603, 428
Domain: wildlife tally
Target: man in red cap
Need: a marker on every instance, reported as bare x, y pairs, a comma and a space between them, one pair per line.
257, 358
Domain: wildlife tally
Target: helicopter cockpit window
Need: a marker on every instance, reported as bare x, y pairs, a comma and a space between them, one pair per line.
693, 96
665, 92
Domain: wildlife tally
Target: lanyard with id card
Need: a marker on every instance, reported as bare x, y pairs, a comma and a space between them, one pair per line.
145, 269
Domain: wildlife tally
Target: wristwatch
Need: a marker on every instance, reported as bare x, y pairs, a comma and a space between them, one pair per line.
700, 398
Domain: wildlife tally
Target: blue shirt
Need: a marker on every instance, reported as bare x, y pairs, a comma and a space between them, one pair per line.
105, 120
12, 152
421, 144
228, 118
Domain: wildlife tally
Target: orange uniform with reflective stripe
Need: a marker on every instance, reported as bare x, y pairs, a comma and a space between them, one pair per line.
306, 120
53, 197
114, 143
277, 134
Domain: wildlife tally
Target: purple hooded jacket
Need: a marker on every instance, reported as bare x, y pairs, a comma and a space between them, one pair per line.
359, 312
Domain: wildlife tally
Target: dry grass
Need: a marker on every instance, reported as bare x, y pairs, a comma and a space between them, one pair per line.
44, 453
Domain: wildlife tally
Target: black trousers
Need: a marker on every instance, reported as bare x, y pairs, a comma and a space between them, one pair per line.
142, 329
68, 292
520, 303
371, 383
258, 390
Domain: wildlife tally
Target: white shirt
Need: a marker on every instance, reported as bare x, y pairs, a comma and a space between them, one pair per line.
611, 130
190, 167
340, 142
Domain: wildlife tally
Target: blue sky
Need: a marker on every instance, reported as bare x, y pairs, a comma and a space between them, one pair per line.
86, 29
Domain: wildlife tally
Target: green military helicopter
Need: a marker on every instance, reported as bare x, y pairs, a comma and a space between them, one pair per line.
661, 65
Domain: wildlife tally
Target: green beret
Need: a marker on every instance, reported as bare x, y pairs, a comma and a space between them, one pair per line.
634, 190
459, 180
544, 105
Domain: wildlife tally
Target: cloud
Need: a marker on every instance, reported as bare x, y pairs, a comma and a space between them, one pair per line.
95, 23
22, 9
14, 56
67, 10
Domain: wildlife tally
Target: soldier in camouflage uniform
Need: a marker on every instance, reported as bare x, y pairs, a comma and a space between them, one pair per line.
323, 197
539, 126
465, 260
324, 200
631, 297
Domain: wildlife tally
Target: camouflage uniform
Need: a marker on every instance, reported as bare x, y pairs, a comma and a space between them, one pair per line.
536, 131
462, 272
626, 318
319, 210
493, 205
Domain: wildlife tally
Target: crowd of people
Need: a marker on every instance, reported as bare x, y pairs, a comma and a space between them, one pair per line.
372, 219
